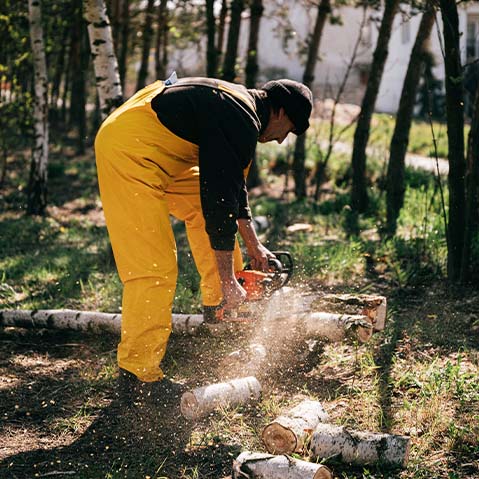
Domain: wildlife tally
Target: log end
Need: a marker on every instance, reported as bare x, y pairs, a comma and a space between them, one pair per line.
323, 473
364, 333
279, 439
189, 405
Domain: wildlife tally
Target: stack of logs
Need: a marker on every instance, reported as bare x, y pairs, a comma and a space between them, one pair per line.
304, 429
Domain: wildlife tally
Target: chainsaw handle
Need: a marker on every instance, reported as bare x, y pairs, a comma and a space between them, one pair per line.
274, 265
285, 260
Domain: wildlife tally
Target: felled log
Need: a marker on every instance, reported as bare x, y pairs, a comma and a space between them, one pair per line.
266, 466
289, 433
86, 320
359, 447
373, 306
337, 327
201, 401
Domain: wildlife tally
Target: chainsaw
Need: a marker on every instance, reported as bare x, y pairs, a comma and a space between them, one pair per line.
259, 286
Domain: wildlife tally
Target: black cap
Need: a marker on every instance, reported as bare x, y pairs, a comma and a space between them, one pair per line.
295, 98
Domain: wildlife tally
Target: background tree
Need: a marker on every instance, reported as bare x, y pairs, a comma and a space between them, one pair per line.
251, 71
221, 31
104, 59
161, 49
229, 64
324, 8
145, 51
359, 195
37, 185
211, 52
455, 136
395, 186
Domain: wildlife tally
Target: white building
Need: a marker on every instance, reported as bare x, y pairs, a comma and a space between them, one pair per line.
337, 44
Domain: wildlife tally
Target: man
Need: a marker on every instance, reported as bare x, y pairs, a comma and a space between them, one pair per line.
183, 148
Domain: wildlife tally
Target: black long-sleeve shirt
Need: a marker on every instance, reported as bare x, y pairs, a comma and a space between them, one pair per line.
224, 120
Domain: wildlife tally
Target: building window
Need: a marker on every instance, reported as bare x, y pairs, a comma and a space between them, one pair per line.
472, 38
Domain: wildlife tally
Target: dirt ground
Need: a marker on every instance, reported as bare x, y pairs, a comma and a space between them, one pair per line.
60, 416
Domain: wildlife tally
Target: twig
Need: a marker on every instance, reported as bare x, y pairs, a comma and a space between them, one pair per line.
57, 473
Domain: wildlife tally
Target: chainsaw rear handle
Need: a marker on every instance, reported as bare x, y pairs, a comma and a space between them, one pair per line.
282, 264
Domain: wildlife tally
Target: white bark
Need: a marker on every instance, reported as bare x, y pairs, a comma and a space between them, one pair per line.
86, 320
290, 433
337, 327
104, 59
38, 179
202, 401
266, 466
373, 306
359, 447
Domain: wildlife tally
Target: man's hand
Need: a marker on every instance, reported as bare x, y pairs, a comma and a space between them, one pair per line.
257, 253
233, 293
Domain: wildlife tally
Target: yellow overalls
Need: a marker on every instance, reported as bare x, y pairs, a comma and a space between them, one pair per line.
146, 173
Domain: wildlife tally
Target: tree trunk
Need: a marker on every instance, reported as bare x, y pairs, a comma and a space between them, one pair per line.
125, 35
455, 137
256, 465
299, 173
78, 93
211, 52
161, 50
290, 433
359, 447
251, 69
202, 401
229, 71
145, 52
37, 187
472, 191
104, 59
221, 31
395, 175
359, 195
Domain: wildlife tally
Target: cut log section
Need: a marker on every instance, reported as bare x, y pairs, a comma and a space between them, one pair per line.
337, 327
359, 447
375, 307
266, 466
290, 433
202, 401
86, 320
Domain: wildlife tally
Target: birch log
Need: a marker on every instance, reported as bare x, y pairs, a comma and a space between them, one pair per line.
290, 433
37, 187
266, 466
359, 447
86, 320
337, 327
201, 401
105, 63
373, 306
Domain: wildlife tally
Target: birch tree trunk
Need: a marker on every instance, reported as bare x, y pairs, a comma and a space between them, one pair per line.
455, 137
299, 173
472, 191
104, 60
395, 175
37, 186
256, 465
359, 195
229, 70
211, 52
145, 51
